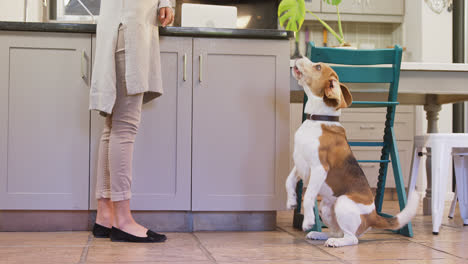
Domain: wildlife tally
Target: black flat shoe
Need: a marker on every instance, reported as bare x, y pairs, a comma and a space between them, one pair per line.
100, 231
117, 235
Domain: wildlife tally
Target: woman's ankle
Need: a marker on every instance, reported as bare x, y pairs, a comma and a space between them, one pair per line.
105, 213
107, 221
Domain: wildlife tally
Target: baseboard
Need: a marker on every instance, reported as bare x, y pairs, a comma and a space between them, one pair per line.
163, 221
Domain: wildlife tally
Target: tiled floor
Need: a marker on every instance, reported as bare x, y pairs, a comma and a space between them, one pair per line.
283, 246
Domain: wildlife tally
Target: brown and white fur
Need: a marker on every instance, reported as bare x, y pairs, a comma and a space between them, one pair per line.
322, 156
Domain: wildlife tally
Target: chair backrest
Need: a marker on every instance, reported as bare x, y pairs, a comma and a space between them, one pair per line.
388, 71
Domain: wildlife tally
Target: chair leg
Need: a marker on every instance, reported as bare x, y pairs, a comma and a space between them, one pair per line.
440, 168
414, 170
318, 222
298, 217
453, 205
379, 195
461, 173
400, 186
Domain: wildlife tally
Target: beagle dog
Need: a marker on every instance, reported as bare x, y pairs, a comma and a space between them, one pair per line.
322, 155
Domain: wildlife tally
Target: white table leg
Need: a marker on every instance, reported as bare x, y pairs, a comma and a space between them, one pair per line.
432, 115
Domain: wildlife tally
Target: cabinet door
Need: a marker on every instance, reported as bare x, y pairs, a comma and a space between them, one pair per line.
346, 7
240, 124
371, 170
44, 120
384, 7
162, 154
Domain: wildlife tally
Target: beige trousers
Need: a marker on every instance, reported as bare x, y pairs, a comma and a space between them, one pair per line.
114, 168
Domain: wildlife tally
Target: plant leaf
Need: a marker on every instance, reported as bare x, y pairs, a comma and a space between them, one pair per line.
291, 14
333, 2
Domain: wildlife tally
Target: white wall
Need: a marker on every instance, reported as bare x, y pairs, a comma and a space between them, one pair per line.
11, 10
436, 35
428, 38
34, 13
412, 34
427, 35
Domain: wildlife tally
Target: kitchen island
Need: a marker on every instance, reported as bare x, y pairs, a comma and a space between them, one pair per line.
211, 154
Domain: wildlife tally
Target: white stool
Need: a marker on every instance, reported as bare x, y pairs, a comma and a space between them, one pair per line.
443, 146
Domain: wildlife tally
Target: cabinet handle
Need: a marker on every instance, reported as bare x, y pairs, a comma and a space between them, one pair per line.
200, 77
84, 65
367, 127
185, 67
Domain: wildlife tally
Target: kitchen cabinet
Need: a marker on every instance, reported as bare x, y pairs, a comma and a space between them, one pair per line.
162, 154
313, 5
371, 170
217, 140
347, 6
227, 151
372, 130
44, 120
240, 124
368, 7
384, 7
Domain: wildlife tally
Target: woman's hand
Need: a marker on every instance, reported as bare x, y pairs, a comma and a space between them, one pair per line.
166, 16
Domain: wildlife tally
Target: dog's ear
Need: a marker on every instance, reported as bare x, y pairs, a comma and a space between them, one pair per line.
347, 98
337, 95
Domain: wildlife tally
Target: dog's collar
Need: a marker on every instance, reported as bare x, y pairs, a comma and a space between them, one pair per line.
323, 118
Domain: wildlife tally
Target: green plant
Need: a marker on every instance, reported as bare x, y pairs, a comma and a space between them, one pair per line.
291, 15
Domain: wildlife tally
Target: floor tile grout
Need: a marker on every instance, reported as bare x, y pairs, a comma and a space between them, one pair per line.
439, 250
204, 249
84, 253
322, 250
405, 239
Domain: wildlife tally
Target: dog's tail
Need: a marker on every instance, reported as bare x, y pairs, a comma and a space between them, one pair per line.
401, 219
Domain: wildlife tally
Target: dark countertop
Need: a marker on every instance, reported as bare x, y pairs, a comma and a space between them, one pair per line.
168, 31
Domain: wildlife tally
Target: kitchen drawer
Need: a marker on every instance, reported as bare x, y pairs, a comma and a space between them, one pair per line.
313, 5
370, 125
371, 170
368, 7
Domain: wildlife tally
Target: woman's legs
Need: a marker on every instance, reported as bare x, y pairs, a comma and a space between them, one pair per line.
124, 219
116, 155
105, 212
126, 118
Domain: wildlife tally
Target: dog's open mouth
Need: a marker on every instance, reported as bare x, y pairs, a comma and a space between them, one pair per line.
297, 72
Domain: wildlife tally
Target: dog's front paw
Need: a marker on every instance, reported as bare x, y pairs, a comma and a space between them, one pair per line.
291, 204
340, 242
317, 235
334, 242
308, 223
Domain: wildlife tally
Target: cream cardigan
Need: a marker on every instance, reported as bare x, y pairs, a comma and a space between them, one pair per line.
143, 66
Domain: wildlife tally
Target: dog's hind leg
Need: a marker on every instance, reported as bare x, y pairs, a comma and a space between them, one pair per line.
291, 182
348, 217
316, 179
328, 218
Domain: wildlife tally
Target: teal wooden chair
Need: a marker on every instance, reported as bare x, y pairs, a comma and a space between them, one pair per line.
387, 71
